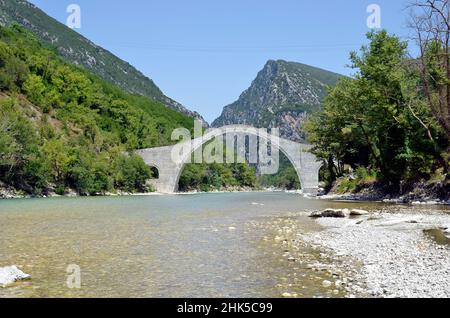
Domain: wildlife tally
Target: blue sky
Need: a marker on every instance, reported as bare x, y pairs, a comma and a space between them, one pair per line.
204, 53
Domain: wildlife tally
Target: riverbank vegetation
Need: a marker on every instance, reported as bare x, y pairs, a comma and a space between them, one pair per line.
63, 128
285, 179
389, 124
217, 177
237, 176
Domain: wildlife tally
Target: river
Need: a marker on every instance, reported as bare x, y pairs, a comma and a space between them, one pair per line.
204, 245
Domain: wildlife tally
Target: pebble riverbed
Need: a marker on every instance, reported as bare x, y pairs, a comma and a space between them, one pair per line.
232, 245
386, 254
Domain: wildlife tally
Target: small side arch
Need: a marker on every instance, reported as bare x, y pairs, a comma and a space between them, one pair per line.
155, 172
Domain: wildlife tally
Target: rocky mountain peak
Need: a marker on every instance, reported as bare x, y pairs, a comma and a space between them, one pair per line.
282, 95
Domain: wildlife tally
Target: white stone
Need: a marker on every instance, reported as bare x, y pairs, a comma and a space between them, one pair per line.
358, 212
326, 283
11, 274
346, 212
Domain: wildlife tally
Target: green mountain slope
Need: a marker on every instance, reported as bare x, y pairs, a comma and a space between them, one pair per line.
64, 129
80, 51
61, 127
282, 95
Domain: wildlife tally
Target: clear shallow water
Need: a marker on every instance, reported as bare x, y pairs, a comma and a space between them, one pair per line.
155, 246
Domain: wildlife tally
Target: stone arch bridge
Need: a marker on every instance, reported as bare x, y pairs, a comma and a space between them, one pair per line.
305, 163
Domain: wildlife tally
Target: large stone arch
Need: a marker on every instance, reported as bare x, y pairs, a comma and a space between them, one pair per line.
305, 163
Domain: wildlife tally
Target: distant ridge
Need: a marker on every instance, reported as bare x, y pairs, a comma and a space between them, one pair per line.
282, 95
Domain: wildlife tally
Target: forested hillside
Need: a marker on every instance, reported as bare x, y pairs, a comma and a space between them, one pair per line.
76, 49
64, 128
389, 123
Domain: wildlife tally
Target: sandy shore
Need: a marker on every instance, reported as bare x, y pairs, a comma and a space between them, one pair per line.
388, 252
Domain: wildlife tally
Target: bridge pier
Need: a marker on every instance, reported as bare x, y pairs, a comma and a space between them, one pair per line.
309, 173
169, 171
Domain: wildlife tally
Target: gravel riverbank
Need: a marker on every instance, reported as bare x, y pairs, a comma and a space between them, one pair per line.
389, 252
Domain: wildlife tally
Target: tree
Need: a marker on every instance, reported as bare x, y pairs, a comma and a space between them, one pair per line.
57, 154
34, 88
90, 174
430, 21
131, 173
377, 119
9, 146
75, 133
13, 71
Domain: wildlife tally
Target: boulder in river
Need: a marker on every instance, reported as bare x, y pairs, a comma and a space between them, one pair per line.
316, 214
446, 230
358, 212
331, 213
11, 274
326, 283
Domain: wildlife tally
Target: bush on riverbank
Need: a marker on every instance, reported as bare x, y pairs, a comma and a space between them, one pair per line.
62, 128
39, 160
285, 179
217, 177
362, 178
381, 120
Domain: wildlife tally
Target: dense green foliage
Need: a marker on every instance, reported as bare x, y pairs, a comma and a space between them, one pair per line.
210, 177
216, 176
286, 178
380, 119
76, 49
62, 127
